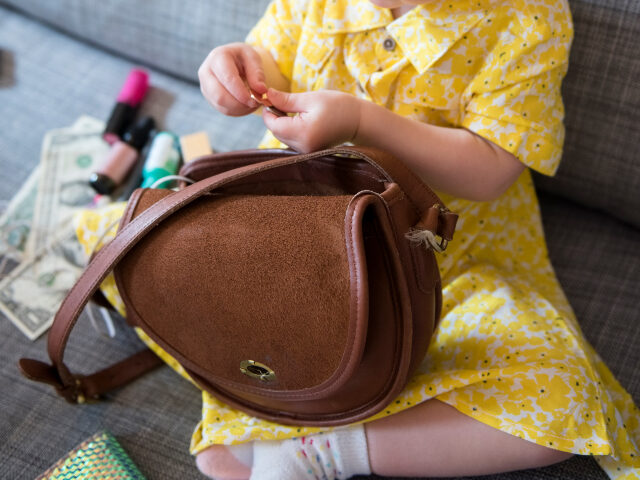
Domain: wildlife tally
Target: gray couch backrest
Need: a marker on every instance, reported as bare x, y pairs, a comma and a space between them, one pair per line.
601, 164
173, 36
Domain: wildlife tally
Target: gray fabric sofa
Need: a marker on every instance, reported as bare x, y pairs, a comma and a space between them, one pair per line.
66, 58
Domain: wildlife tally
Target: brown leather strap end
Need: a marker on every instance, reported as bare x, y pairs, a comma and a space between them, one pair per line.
91, 386
119, 374
39, 371
43, 372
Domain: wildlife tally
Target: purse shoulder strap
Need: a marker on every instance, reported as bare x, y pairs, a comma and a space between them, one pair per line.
77, 388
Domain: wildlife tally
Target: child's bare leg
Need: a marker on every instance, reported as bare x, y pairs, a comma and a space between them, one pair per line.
433, 439
429, 440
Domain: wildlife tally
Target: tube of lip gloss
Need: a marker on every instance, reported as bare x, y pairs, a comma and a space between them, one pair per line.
122, 157
131, 95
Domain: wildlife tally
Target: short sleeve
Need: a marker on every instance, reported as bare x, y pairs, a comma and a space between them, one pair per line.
279, 30
515, 99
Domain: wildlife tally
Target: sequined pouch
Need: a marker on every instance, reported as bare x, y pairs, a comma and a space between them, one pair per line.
98, 457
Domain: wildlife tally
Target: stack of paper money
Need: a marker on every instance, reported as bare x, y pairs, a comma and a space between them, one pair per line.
40, 258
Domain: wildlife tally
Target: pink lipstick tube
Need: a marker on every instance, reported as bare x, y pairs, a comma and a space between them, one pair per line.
122, 157
129, 99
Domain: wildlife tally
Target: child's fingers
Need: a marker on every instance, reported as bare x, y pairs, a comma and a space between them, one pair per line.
220, 98
288, 102
286, 129
252, 64
226, 71
282, 126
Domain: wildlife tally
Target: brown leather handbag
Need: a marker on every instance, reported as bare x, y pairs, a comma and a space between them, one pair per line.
283, 283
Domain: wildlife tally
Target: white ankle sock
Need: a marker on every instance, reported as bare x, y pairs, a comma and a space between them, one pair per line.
243, 452
335, 455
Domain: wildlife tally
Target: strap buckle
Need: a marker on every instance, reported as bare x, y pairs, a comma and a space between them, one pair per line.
438, 245
435, 241
428, 238
72, 393
428, 228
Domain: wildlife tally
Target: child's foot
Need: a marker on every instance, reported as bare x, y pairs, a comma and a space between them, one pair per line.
335, 455
219, 462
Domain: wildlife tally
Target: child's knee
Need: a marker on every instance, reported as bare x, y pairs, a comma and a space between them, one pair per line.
548, 456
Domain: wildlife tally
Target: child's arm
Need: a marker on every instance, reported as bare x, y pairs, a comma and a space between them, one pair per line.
453, 160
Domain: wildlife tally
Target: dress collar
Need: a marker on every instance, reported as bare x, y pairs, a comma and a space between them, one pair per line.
424, 33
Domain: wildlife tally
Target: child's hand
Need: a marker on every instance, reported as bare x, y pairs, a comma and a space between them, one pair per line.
226, 75
324, 118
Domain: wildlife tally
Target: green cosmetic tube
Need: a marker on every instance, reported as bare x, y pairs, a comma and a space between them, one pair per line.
163, 160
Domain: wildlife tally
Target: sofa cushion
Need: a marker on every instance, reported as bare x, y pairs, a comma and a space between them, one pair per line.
173, 36
601, 163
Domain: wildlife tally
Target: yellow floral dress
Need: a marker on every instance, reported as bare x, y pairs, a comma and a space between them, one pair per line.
509, 351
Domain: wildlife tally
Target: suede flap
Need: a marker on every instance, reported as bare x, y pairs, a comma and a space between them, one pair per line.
231, 278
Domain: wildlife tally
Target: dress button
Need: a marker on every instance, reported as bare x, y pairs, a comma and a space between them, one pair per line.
389, 44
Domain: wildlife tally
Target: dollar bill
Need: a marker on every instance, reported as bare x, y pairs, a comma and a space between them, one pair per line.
50, 257
32, 293
15, 224
87, 123
68, 157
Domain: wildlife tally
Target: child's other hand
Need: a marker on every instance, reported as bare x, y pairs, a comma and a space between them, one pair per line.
324, 118
225, 74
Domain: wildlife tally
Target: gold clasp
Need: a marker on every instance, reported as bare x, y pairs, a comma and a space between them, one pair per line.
258, 370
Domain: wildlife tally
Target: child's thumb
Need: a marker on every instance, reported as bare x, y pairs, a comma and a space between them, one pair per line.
287, 102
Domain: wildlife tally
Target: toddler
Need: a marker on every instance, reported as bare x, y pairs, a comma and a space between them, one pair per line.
467, 93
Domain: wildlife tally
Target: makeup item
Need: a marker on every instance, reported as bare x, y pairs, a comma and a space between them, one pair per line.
97, 458
134, 179
163, 159
129, 99
122, 157
194, 145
